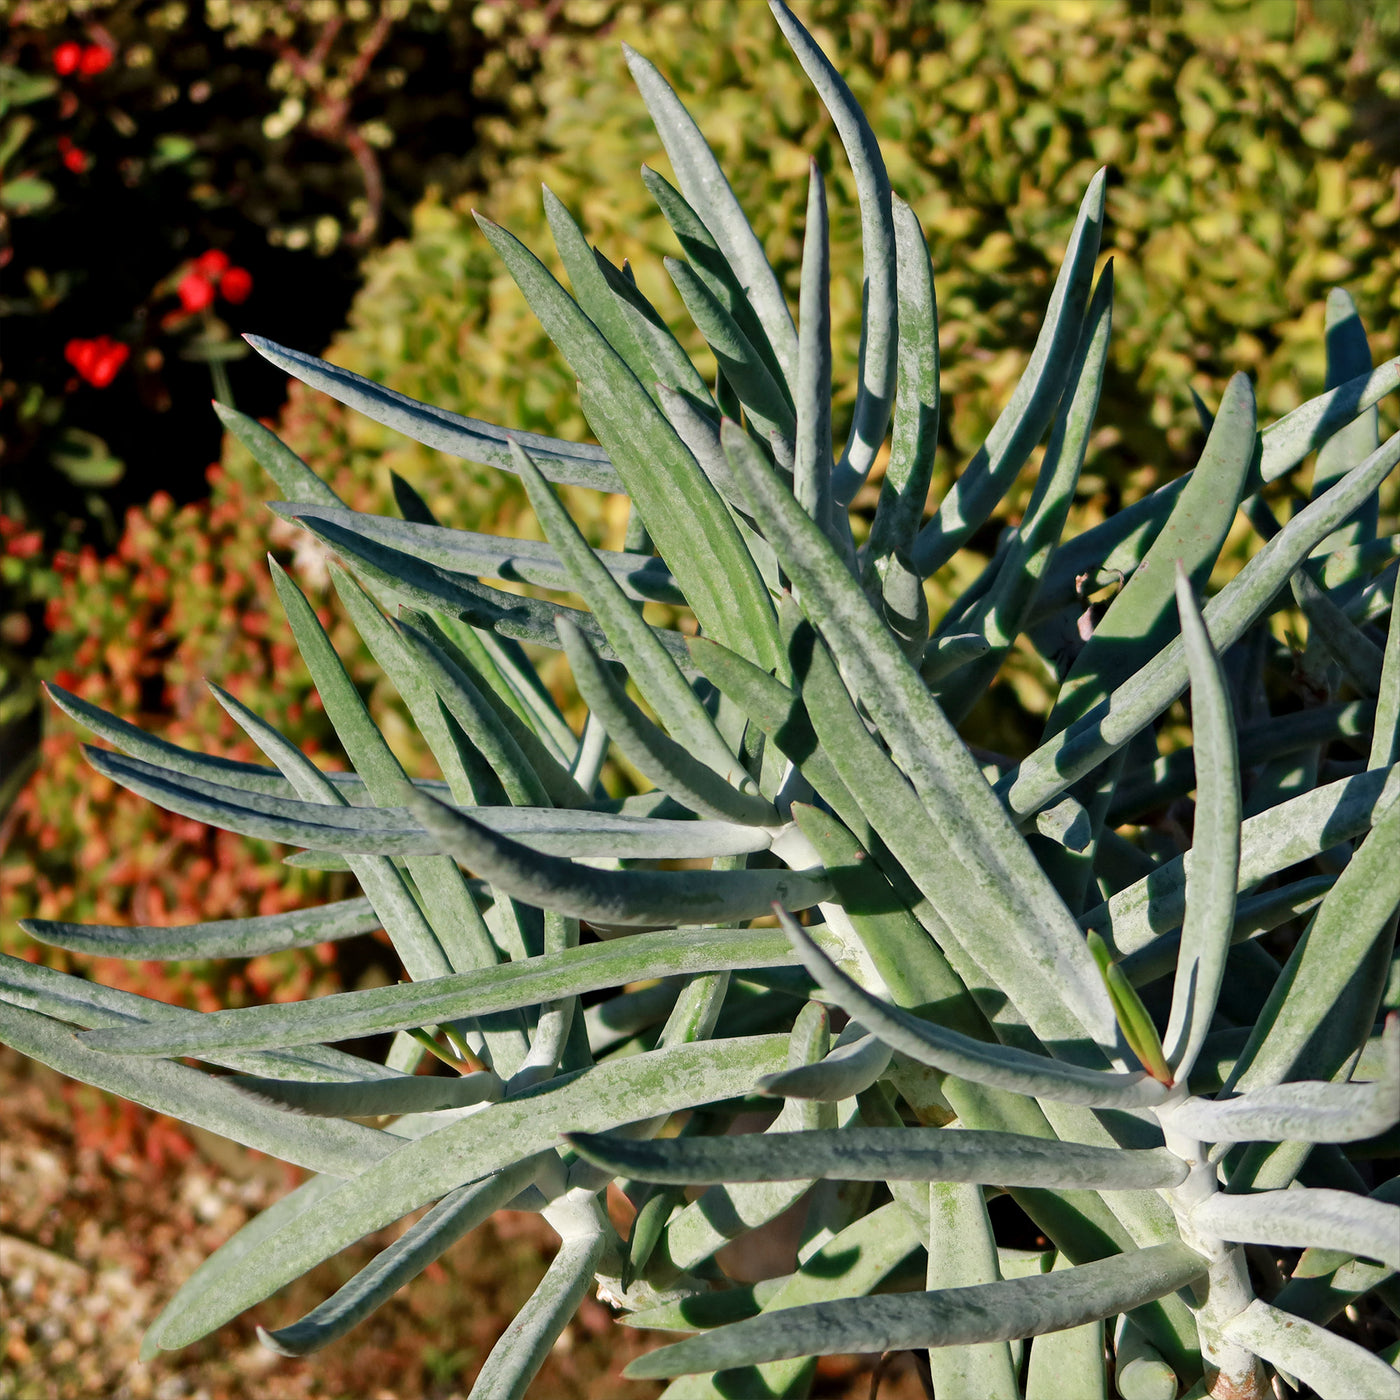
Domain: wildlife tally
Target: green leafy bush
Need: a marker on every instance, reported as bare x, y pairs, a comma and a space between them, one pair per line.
1008, 977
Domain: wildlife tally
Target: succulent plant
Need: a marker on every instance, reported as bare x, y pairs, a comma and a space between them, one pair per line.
987, 976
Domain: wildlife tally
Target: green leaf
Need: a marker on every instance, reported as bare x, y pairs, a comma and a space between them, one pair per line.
658, 677
1000, 1066
396, 831
978, 848
591, 290
296, 481
1285, 835
812, 455
850, 1069
223, 938
468, 1149
987, 478
642, 577
1117, 545
320, 1145
522, 1348
1004, 610
917, 404
963, 1254
34, 987
524, 748
1135, 703
884, 1154
725, 1212
631, 898
879, 338
1353, 915
1138, 1028
767, 400
1303, 1217
1075, 1351
1358, 656
668, 764
1305, 1111
1210, 892
572, 463
1141, 619
679, 506
1024, 1307
709, 194
373, 1098
1331, 1366
399, 1263
484, 991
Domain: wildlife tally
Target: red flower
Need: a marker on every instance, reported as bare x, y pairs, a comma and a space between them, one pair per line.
237, 284
98, 361
66, 58
196, 291
212, 265
96, 58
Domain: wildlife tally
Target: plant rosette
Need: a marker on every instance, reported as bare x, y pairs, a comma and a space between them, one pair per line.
1164, 1057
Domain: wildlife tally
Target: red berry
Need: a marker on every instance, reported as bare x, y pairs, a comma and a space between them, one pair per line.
212, 264
196, 292
96, 58
97, 361
237, 284
75, 160
111, 358
66, 58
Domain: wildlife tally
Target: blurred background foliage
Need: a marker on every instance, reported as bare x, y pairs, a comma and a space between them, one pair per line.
1253, 157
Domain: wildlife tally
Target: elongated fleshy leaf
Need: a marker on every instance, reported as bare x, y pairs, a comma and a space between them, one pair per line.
1018, 428
1358, 656
375, 1097
1002, 612
917, 406
812, 459
81, 1002
634, 898
659, 678
1334, 1368
398, 831
668, 764
885, 1154
642, 577
879, 331
1024, 1307
675, 498
294, 478
574, 463
342, 1149
1142, 697
529, 982
1210, 893
999, 1066
223, 938
1119, 543
950, 787
709, 194
1305, 1216
471, 1148
1307, 1111
1345, 928
1283, 836
399, 1263
848, 1070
